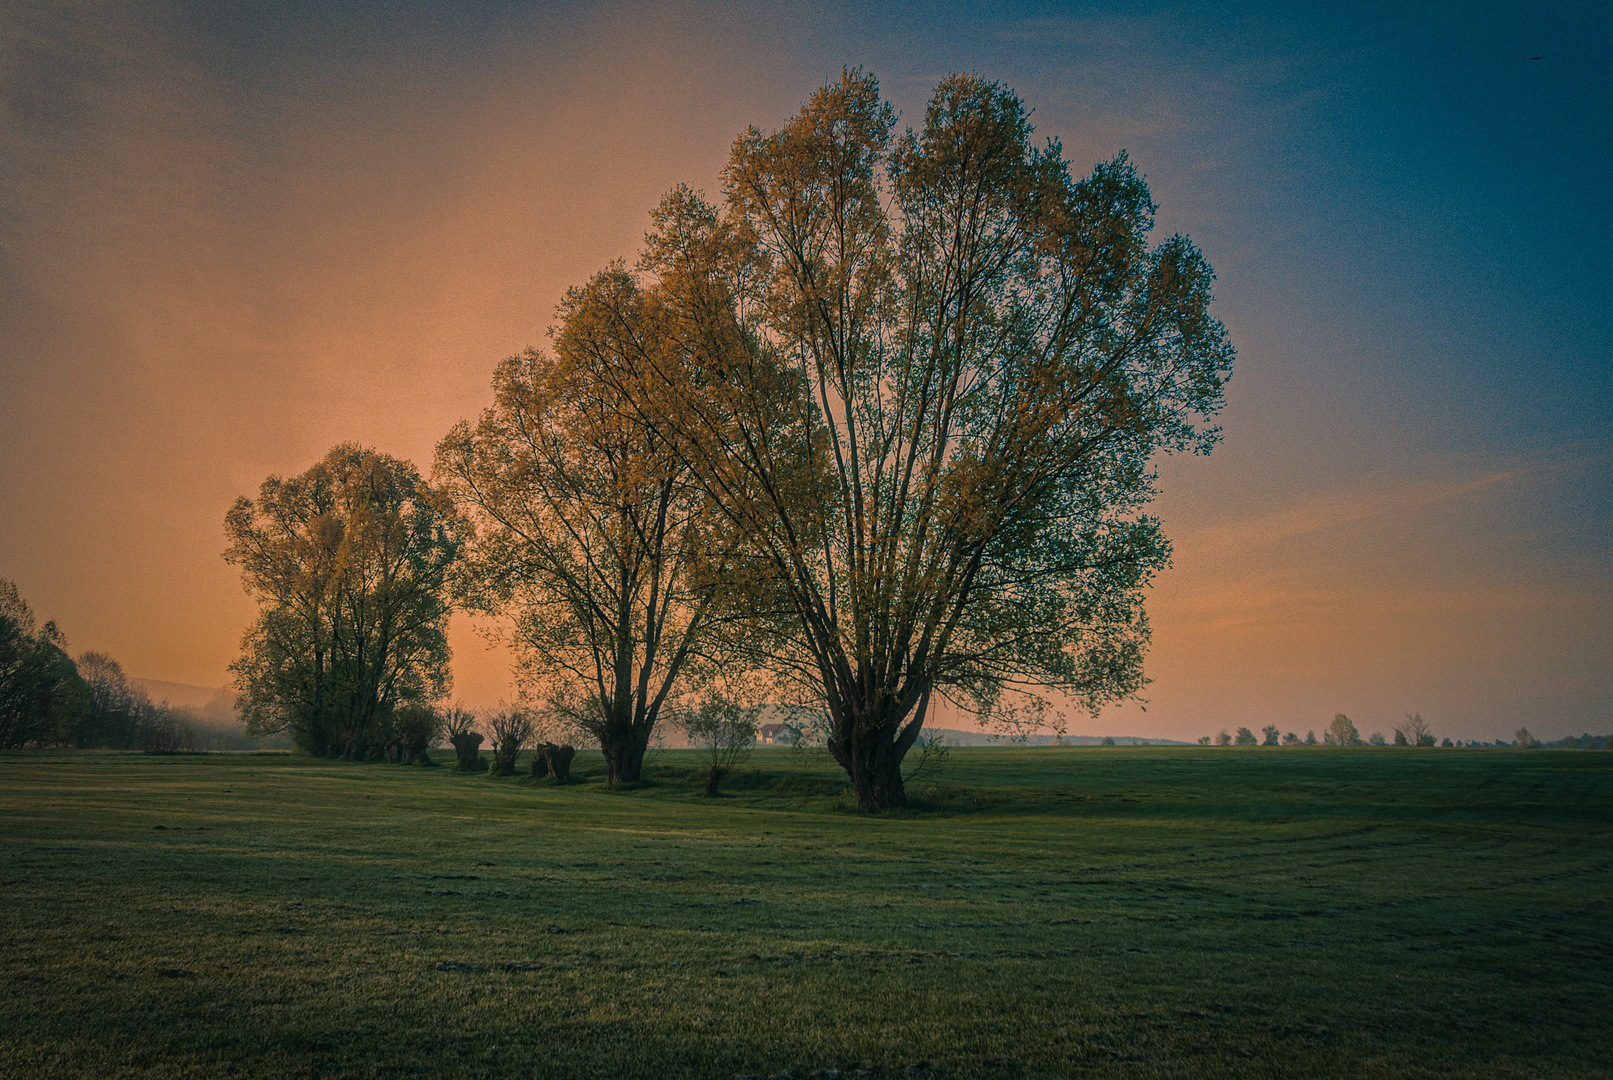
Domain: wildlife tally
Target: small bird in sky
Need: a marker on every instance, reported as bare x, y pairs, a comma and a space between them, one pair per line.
1537, 58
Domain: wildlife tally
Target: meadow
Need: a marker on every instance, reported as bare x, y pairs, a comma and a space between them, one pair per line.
1147, 912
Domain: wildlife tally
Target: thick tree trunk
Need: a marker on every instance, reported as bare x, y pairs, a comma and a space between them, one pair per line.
714, 778
874, 764
624, 756
558, 759
468, 749
872, 754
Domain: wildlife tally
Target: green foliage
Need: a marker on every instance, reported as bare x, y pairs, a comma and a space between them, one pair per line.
590, 535
349, 564
117, 713
1160, 912
1245, 737
42, 696
929, 759
924, 376
726, 731
415, 727
1341, 732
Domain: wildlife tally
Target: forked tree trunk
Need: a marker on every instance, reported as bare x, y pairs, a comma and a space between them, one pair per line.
872, 755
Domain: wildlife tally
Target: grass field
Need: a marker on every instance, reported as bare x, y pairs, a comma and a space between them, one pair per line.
1145, 912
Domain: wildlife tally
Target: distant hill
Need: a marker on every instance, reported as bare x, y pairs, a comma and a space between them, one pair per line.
215, 703
956, 737
175, 693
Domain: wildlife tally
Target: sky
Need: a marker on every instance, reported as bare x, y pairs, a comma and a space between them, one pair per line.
235, 234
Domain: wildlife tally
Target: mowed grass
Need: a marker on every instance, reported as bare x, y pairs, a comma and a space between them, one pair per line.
1149, 912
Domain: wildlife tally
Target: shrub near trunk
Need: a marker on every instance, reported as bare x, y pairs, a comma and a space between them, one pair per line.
726, 731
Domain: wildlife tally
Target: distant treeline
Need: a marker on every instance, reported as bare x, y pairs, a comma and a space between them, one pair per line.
49, 699
1414, 732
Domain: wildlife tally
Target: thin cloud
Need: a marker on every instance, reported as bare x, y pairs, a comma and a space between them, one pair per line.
1324, 513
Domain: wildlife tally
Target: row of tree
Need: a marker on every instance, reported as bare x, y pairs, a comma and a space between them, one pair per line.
1342, 732
875, 432
41, 692
49, 699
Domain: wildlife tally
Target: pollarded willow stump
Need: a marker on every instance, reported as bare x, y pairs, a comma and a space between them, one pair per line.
469, 748
559, 758
504, 760
551, 760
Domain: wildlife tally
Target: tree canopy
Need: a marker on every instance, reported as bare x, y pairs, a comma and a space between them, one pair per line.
590, 534
349, 563
1342, 732
41, 694
925, 377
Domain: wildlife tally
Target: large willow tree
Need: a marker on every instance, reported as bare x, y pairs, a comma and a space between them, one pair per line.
349, 563
926, 377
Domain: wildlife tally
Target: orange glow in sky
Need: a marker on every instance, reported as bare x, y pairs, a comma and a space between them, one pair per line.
234, 238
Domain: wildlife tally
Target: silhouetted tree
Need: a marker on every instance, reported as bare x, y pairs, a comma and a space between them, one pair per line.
591, 535
41, 694
1523, 740
117, 710
415, 726
1414, 732
349, 564
1341, 732
553, 761
1245, 737
925, 379
1271, 735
